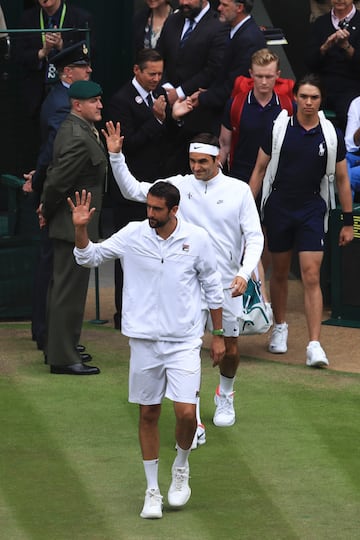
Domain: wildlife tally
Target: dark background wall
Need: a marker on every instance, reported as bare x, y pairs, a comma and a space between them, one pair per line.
112, 64
113, 60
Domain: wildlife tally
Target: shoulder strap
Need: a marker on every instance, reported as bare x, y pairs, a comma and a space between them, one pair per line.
278, 134
327, 188
286, 103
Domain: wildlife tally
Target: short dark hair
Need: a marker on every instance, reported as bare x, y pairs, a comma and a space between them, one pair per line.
167, 191
314, 80
248, 4
206, 138
147, 55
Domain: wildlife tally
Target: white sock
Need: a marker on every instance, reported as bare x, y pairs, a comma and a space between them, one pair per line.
151, 467
181, 459
198, 417
226, 384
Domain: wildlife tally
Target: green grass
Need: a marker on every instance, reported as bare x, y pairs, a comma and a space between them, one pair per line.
70, 464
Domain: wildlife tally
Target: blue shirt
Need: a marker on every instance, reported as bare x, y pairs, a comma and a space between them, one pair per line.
303, 160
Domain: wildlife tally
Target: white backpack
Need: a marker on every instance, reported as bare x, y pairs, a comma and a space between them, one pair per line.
327, 189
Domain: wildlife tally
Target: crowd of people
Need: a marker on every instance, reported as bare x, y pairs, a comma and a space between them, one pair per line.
218, 169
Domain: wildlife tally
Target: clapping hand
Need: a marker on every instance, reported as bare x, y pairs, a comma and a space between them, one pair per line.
181, 107
81, 212
114, 141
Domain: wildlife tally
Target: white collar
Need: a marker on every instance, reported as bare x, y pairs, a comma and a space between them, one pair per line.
141, 91
348, 17
236, 28
198, 17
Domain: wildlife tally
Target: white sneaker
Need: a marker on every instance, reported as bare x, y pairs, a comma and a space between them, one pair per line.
153, 504
278, 339
179, 490
199, 437
315, 355
224, 414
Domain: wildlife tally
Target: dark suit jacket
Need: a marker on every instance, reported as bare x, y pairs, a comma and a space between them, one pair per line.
26, 52
144, 137
54, 110
336, 69
79, 162
146, 149
237, 61
196, 64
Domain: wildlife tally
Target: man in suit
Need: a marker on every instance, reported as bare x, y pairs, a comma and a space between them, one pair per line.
245, 38
333, 53
72, 64
192, 45
79, 162
142, 115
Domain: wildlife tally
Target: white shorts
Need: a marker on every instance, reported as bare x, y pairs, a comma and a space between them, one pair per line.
161, 369
232, 310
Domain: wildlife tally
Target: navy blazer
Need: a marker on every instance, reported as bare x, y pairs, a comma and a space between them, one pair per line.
197, 63
144, 136
54, 110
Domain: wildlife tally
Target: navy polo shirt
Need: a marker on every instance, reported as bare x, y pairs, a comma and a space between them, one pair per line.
303, 160
253, 121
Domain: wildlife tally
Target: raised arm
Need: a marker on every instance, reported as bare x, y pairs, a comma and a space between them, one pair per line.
129, 186
81, 217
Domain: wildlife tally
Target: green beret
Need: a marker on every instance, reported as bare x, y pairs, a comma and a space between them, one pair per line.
85, 90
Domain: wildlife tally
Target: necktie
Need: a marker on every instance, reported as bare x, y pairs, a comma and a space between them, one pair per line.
50, 22
96, 133
149, 99
187, 32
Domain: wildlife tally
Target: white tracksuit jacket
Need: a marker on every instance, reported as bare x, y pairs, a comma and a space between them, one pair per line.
162, 279
224, 206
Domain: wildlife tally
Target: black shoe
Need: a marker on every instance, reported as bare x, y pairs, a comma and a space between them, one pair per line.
85, 357
80, 348
75, 369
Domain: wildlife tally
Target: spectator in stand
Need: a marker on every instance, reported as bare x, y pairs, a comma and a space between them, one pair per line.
148, 23
142, 114
192, 45
34, 51
334, 54
352, 141
245, 38
320, 7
